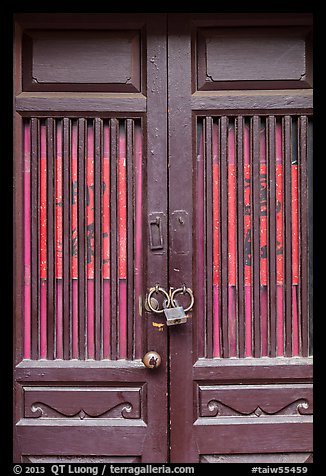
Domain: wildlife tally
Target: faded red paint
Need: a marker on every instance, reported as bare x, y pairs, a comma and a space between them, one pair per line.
106, 202
122, 247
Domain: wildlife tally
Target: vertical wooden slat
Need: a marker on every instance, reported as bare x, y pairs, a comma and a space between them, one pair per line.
216, 242
248, 239
138, 238
51, 237
255, 177
106, 239
240, 235
114, 237
303, 232
132, 313
287, 125
271, 158
59, 241
122, 241
209, 236
98, 133
43, 241
310, 235
35, 159
90, 212
66, 249
26, 197
224, 233
295, 237
232, 242
81, 133
279, 239
200, 240
74, 237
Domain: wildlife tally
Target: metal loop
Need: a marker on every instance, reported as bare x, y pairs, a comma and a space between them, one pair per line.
184, 290
157, 289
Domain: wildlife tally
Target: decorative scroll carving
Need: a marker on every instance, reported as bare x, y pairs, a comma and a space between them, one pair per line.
217, 408
255, 400
41, 410
83, 403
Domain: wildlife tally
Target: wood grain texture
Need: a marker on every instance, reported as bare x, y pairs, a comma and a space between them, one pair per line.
48, 103
84, 61
275, 58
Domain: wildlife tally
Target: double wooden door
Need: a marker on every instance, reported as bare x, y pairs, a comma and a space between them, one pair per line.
165, 151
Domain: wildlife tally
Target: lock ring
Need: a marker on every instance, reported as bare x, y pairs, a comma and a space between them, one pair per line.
157, 289
183, 290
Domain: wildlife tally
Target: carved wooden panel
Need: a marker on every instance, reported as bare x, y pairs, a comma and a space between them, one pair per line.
80, 459
259, 458
82, 61
255, 400
259, 58
83, 403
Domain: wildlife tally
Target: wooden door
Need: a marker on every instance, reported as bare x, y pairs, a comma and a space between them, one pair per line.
90, 165
240, 132
147, 154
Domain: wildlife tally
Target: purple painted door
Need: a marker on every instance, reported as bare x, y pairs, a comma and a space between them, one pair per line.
240, 137
149, 153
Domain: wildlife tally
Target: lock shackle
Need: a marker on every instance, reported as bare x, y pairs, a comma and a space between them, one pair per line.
157, 289
183, 290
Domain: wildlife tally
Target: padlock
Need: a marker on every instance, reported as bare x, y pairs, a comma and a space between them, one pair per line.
175, 315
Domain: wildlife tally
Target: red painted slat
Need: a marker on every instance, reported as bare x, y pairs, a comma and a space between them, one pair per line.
224, 122
209, 237
279, 239
106, 239
216, 242
50, 141
232, 242
43, 240
122, 243
130, 220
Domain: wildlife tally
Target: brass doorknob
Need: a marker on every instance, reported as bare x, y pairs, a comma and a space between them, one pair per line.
152, 359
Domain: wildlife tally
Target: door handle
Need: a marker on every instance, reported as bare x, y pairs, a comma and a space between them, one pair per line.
157, 289
169, 301
152, 359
